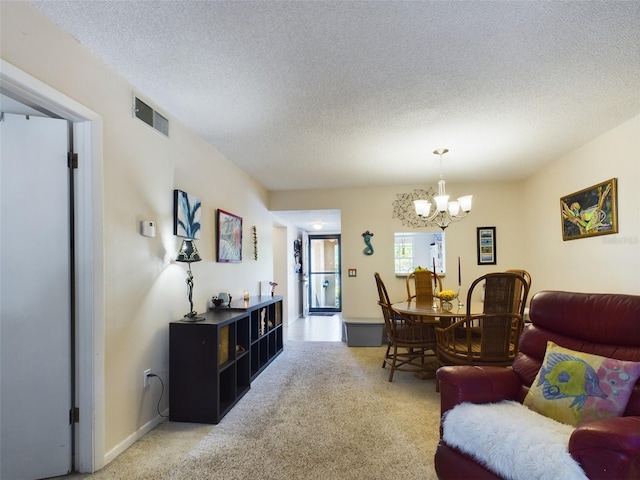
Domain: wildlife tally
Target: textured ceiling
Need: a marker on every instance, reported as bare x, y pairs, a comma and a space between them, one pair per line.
332, 94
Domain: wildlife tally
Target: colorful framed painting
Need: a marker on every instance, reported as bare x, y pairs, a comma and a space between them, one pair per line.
187, 212
591, 211
229, 236
487, 253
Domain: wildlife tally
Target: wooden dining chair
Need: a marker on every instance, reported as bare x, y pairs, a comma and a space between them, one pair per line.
383, 299
425, 285
412, 342
490, 338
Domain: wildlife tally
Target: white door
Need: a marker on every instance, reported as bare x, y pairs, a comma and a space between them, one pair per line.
35, 341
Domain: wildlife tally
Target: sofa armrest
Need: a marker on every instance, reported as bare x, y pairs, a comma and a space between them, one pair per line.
460, 384
608, 448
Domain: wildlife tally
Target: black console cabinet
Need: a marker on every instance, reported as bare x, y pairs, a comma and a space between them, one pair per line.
212, 362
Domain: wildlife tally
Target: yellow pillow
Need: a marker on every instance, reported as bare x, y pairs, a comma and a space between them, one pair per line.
576, 387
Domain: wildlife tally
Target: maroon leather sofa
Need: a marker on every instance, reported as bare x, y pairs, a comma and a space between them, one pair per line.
602, 324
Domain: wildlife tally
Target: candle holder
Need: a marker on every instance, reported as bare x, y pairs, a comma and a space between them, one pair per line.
460, 304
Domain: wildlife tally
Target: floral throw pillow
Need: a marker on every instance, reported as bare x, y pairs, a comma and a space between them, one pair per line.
577, 388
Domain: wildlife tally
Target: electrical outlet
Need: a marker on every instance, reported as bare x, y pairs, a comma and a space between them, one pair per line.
146, 381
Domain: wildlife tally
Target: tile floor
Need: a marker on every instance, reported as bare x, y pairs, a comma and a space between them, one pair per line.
315, 329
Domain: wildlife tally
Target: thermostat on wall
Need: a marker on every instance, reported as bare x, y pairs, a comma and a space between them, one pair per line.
148, 228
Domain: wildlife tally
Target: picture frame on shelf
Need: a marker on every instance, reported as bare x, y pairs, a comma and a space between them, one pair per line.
229, 237
486, 240
591, 211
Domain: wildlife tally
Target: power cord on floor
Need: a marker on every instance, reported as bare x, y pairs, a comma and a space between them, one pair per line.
161, 394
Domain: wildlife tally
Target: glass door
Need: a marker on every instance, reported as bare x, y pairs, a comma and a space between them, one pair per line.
325, 292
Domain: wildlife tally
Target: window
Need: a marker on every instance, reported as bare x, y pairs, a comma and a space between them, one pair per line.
411, 250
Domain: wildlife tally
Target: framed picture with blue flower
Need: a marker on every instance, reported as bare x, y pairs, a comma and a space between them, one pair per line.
187, 211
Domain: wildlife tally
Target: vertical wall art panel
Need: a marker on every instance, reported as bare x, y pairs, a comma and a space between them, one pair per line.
187, 212
487, 253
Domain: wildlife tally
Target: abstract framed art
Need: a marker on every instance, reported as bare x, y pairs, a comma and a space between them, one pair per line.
187, 211
229, 237
591, 211
487, 253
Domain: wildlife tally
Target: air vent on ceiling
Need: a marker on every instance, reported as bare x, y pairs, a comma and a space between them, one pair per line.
149, 116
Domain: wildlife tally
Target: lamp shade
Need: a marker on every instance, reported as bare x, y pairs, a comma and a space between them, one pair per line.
188, 252
423, 207
465, 202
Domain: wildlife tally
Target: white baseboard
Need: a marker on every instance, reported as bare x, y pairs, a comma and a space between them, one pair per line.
134, 437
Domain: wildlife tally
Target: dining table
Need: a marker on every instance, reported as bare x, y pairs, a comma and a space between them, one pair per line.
433, 313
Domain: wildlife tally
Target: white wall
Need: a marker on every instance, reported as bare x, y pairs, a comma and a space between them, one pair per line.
607, 263
371, 209
527, 219
144, 289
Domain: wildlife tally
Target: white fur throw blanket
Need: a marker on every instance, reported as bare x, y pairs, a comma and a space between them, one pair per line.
512, 441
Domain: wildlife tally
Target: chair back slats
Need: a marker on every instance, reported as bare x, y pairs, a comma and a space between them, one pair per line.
383, 296
496, 336
499, 294
519, 288
425, 284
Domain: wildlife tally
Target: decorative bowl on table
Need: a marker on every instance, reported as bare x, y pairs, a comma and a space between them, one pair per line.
446, 296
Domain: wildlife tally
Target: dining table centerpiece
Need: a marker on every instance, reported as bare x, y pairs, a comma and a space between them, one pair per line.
446, 296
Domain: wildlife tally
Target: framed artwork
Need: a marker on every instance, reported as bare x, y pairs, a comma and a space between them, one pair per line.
229, 236
186, 215
486, 245
589, 212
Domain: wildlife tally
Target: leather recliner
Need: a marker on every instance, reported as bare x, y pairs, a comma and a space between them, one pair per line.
601, 324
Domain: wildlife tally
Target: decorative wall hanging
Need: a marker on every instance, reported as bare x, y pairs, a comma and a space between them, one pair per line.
589, 212
255, 243
367, 240
186, 215
297, 251
487, 253
229, 236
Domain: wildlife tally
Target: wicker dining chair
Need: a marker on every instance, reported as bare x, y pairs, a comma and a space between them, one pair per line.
412, 343
424, 284
383, 299
499, 327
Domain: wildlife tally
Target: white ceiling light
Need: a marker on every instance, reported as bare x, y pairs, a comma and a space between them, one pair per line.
317, 226
414, 209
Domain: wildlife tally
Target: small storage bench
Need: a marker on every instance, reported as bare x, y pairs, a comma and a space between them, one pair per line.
363, 332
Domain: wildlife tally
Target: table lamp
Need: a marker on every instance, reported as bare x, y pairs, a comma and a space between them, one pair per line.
189, 253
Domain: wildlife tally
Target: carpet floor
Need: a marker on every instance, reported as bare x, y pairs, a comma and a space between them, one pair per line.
321, 410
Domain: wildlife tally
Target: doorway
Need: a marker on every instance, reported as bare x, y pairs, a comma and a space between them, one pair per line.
325, 274
88, 248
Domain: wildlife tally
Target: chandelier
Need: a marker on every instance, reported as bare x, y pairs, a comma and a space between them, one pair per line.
414, 209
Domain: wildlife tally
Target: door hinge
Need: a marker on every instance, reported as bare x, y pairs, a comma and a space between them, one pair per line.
72, 160
74, 415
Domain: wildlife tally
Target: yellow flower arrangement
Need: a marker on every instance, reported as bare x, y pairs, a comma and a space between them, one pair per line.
447, 295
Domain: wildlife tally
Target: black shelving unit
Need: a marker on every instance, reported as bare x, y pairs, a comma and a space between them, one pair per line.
212, 362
